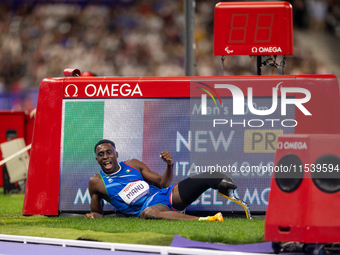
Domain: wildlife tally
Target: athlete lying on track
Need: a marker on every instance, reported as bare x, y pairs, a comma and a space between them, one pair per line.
135, 190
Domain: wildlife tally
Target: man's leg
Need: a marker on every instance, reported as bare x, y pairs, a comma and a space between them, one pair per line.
188, 190
163, 212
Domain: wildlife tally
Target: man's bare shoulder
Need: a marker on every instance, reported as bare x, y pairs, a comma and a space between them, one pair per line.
95, 178
96, 184
133, 162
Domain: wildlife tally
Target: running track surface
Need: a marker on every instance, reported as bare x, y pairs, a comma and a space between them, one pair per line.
25, 245
12, 248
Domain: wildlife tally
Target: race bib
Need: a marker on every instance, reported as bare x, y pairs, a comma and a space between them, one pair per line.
134, 191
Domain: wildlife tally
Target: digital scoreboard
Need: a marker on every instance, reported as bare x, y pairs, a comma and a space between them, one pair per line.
253, 28
226, 124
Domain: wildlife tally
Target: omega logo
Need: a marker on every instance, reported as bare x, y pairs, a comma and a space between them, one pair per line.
75, 92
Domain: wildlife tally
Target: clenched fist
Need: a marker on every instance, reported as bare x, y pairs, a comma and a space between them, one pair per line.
166, 156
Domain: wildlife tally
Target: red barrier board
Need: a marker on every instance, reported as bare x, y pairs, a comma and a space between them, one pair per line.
43, 183
42, 186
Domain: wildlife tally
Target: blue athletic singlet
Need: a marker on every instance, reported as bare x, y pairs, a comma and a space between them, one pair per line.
130, 194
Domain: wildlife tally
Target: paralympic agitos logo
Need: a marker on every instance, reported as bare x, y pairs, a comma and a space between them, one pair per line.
239, 100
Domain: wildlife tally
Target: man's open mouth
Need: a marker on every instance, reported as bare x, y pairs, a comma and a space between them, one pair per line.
107, 164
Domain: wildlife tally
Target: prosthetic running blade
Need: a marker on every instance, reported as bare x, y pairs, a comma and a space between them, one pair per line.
240, 202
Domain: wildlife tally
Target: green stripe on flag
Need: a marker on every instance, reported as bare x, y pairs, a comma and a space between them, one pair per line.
83, 128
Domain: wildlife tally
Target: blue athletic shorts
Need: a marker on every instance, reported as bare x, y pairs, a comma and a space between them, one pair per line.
161, 197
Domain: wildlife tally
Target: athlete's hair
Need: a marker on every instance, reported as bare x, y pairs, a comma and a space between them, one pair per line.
104, 141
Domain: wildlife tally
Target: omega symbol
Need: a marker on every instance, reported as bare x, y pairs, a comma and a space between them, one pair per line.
75, 93
279, 145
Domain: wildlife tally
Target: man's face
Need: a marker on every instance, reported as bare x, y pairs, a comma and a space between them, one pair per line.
107, 158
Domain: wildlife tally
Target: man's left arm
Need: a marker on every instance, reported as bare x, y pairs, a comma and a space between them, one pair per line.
159, 181
168, 174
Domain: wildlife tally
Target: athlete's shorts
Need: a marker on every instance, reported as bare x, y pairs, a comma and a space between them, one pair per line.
161, 197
